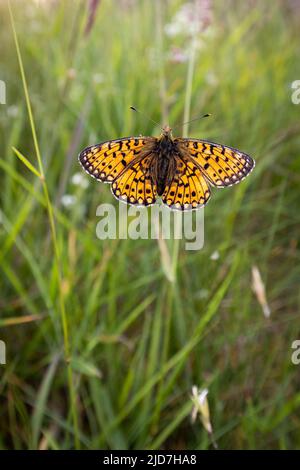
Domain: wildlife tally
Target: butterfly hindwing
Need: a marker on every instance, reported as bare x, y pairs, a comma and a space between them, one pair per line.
106, 161
188, 189
221, 165
135, 185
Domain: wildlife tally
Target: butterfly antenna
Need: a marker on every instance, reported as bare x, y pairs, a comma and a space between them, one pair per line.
144, 115
192, 120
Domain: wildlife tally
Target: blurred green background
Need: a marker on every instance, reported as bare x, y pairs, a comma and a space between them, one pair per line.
105, 339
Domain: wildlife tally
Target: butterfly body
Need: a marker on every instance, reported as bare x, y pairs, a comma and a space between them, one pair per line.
164, 166
179, 170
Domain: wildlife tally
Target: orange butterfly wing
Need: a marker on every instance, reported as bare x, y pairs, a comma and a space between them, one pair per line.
188, 188
108, 160
135, 185
221, 165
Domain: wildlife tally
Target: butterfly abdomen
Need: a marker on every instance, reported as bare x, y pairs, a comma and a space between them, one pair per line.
164, 162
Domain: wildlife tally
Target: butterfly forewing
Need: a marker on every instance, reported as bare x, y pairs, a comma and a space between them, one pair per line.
108, 160
221, 165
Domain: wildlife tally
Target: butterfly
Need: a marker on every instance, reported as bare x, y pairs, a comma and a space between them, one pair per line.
179, 170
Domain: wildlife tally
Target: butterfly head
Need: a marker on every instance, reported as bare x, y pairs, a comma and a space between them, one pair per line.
167, 132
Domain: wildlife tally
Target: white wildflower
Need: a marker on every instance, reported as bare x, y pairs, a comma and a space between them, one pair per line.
13, 111
192, 18
68, 200
79, 179
215, 255
211, 78
98, 78
173, 29
202, 294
